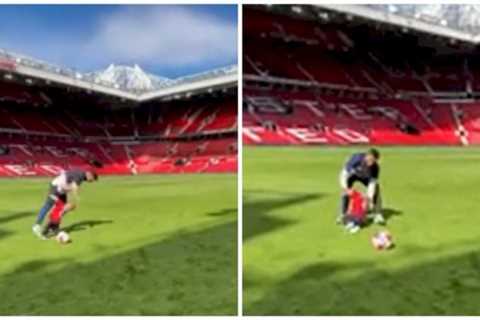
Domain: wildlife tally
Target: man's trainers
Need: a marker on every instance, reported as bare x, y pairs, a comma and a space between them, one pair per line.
339, 219
37, 230
352, 227
379, 219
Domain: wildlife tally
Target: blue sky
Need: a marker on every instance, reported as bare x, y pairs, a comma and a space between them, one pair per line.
166, 40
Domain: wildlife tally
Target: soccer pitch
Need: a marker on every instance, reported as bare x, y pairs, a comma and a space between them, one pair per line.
298, 261
145, 245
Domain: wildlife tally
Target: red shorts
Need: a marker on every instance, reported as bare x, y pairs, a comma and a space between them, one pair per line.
56, 213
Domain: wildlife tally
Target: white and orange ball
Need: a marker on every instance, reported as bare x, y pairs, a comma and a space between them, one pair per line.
63, 237
382, 240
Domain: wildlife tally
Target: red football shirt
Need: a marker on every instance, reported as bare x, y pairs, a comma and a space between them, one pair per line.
357, 206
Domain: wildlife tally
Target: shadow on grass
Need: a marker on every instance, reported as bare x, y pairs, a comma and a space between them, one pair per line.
15, 216
5, 233
12, 217
84, 225
188, 273
448, 286
388, 214
223, 212
256, 217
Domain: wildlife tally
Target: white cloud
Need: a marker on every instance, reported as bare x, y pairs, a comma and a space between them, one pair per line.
169, 40
163, 35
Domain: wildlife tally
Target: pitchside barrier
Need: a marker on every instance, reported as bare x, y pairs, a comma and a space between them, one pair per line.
217, 164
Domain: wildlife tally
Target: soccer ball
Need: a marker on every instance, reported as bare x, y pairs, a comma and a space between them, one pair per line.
63, 237
382, 240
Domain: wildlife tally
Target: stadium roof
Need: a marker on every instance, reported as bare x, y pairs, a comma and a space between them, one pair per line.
457, 21
125, 82
464, 18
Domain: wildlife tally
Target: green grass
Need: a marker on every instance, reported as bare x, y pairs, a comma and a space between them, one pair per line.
146, 245
297, 261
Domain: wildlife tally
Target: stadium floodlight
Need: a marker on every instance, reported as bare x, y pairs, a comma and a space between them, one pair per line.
392, 8
297, 9
323, 15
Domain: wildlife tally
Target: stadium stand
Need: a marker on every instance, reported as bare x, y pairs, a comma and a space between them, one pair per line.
339, 79
45, 128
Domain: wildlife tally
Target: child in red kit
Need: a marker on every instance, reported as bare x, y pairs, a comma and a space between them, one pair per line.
55, 218
357, 211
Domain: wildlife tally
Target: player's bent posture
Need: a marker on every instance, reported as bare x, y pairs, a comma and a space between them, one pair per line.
62, 198
363, 168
